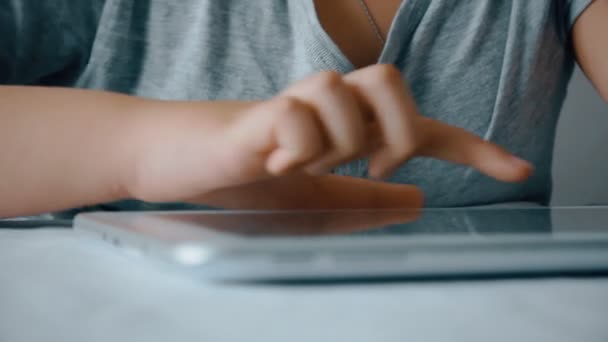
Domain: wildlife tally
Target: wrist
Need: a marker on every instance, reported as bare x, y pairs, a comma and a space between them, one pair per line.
165, 140
142, 129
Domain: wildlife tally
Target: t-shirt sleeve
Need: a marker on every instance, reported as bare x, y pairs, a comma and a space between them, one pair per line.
574, 8
45, 42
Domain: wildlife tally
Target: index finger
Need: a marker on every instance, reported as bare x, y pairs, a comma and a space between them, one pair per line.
408, 134
456, 145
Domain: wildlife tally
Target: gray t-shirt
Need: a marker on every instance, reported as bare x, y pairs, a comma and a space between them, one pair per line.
496, 68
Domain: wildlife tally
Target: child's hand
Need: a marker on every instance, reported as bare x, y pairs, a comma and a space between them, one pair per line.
310, 128
329, 119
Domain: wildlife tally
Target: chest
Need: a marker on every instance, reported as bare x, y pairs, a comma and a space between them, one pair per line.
359, 28
462, 59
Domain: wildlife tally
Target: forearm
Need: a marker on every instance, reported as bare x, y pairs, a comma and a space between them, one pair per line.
62, 148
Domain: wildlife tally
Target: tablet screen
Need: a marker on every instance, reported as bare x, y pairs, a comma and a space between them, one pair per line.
366, 223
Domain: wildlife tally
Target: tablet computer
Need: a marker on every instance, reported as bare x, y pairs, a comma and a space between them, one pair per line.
299, 245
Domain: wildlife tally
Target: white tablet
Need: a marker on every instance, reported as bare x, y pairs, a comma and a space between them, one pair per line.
290, 245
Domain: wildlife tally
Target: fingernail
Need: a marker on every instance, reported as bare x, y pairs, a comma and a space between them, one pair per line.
520, 163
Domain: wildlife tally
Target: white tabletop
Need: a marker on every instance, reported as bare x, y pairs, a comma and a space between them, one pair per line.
57, 286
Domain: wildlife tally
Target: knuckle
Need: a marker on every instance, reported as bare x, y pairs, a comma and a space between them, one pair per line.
313, 148
287, 104
405, 149
474, 142
383, 73
290, 120
350, 149
357, 145
329, 80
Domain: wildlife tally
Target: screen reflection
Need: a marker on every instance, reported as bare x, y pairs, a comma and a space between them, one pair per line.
372, 222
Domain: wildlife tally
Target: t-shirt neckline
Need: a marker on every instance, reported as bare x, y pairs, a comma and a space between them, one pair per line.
325, 53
